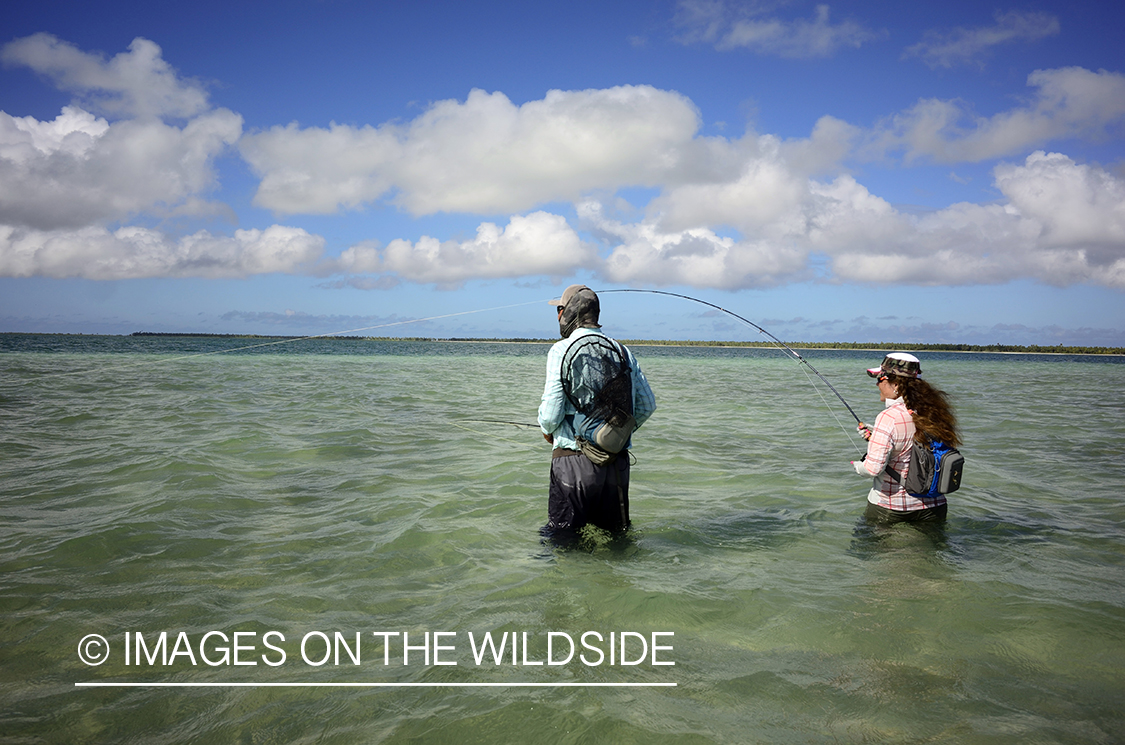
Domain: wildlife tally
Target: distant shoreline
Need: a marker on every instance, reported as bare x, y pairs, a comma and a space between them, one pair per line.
857, 346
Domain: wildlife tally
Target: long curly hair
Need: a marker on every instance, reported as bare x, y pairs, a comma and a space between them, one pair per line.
929, 406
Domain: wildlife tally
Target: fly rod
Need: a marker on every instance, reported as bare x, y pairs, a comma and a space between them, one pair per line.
785, 346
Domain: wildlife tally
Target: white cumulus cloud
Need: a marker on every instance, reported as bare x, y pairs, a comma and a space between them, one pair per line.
134, 252
134, 83
537, 244
73, 132
485, 155
78, 170
698, 257
1077, 207
1062, 223
765, 197
1068, 102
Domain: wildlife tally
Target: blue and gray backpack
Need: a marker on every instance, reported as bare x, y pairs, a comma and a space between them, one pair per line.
935, 469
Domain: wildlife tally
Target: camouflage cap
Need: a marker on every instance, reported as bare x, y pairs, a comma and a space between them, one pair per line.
898, 363
569, 293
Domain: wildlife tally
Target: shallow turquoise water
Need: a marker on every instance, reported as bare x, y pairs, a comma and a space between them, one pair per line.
341, 486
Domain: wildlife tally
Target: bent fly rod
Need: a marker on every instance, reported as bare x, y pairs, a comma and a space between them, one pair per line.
782, 344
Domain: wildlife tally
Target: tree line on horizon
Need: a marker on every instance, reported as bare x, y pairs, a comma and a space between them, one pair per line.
880, 346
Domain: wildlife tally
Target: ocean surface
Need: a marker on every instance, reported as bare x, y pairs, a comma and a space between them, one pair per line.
335, 525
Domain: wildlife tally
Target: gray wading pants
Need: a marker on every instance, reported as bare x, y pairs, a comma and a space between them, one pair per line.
582, 493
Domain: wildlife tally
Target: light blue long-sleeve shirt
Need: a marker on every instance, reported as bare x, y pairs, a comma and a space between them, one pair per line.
556, 413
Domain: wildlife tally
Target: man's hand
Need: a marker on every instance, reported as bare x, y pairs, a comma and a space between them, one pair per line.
549, 438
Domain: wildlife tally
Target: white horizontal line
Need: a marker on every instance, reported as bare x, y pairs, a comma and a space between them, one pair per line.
126, 684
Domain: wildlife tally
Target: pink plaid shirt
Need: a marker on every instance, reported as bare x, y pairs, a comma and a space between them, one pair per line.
891, 439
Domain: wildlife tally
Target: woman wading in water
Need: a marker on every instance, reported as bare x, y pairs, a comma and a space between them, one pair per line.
915, 411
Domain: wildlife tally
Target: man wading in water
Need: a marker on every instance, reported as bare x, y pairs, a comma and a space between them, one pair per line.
595, 397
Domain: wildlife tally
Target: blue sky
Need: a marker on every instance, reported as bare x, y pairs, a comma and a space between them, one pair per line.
877, 171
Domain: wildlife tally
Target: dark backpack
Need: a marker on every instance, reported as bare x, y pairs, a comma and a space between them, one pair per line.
598, 382
935, 469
